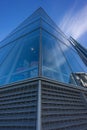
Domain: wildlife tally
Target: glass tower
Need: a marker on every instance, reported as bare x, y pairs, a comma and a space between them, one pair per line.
43, 78
38, 48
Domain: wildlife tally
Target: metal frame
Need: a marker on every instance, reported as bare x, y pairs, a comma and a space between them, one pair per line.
40, 51
38, 125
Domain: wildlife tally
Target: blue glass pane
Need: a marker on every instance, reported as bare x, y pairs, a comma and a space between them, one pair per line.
7, 65
73, 59
24, 75
26, 64
22, 62
54, 64
4, 52
21, 32
56, 32
51, 29
35, 16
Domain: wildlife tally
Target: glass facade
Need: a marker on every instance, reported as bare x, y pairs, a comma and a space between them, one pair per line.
39, 48
19, 59
54, 64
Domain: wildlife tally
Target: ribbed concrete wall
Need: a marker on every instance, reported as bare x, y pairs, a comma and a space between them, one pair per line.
18, 107
43, 104
62, 108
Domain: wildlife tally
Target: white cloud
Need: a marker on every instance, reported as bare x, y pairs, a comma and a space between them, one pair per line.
75, 24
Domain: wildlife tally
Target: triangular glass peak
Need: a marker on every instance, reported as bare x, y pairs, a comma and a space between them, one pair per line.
37, 47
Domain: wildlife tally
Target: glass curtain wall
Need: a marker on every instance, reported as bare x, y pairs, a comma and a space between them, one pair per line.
59, 61
54, 64
19, 60
39, 48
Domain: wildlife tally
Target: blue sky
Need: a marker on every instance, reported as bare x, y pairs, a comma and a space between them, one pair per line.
69, 15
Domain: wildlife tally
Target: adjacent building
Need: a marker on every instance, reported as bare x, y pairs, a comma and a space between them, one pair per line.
80, 49
43, 79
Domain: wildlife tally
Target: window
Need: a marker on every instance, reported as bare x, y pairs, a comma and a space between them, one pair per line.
54, 64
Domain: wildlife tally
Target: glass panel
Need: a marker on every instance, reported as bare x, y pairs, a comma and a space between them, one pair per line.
35, 16
22, 62
73, 59
4, 51
6, 66
51, 30
21, 32
54, 64
55, 32
75, 62
26, 65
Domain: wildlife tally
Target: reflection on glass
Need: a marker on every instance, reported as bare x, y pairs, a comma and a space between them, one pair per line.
54, 64
59, 61
22, 62
27, 62
73, 59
